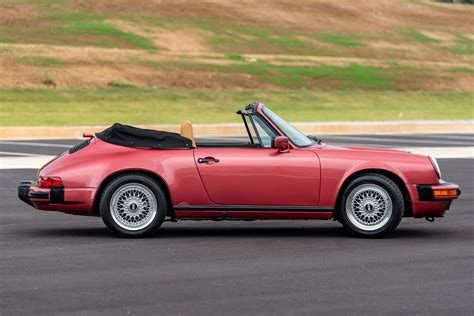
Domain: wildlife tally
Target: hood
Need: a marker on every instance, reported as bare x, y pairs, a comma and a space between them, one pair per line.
362, 149
375, 149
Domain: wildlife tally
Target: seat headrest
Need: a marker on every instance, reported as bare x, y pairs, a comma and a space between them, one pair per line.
187, 131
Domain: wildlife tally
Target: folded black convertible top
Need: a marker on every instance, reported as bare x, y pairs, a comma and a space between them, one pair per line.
130, 136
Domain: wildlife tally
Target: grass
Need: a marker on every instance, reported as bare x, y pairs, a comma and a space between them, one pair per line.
466, 70
85, 28
75, 29
420, 37
101, 29
61, 26
48, 4
43, 61
462, 46
232, 38
24, 107
340, 39
285, 40
66, 18
119, 84
235, 57
353, 76
299, 89
6, 39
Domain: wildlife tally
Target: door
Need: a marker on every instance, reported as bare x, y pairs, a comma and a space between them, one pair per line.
259, 176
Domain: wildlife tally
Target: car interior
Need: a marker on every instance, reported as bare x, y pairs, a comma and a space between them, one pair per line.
186, 130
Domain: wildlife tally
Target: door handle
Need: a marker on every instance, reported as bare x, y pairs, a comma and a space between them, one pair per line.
208, 160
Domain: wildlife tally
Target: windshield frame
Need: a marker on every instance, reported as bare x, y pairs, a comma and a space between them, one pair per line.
253, 132
263, 110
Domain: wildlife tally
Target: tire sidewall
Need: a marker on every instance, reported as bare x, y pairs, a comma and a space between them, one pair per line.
398, 205
106, 212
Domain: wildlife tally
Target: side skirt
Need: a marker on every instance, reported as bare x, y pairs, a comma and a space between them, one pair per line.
236, 212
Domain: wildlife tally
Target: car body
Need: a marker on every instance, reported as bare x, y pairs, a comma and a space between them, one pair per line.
278, 174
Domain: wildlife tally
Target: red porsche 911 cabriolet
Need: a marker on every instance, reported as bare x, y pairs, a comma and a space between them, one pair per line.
135, 179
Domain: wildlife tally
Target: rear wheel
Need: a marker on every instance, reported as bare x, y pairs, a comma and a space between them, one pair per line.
133, 205
372, 205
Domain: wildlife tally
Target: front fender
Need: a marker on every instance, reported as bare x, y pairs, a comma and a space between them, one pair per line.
337, 166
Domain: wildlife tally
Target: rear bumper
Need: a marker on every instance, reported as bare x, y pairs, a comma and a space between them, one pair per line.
23, 192
68, 200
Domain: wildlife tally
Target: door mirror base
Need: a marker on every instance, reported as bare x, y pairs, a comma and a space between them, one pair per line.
282, 144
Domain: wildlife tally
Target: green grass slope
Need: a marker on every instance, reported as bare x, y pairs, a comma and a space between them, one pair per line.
71, 62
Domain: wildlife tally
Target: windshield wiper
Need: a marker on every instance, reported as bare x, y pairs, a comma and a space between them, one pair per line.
315, 139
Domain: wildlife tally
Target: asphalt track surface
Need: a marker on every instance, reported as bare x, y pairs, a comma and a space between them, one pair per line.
53, 263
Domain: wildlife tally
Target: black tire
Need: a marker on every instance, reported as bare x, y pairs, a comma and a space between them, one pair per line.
151, 192
359, 218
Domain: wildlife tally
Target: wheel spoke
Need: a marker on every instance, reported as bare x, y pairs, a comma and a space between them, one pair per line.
369, 206
133, 206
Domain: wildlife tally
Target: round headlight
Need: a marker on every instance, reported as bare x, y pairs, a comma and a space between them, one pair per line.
434, 162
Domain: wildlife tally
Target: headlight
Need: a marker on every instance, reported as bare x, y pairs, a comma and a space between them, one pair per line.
434, 162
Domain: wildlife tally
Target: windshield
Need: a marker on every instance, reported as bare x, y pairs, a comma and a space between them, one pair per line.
294, 135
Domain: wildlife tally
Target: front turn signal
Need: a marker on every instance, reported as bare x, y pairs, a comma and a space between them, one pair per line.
445, 193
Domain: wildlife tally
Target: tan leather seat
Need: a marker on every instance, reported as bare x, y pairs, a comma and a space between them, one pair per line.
187, 131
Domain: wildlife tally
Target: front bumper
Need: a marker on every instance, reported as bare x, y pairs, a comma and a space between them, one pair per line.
68, 200
427, 200
438, 192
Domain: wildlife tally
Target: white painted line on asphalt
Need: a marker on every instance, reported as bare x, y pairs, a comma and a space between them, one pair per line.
11, 153
440, 136
41, 138
359, 144
391, 140
35, 144
443, 152
35, 162
370, 123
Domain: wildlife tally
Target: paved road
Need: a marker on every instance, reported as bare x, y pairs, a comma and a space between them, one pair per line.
54, 263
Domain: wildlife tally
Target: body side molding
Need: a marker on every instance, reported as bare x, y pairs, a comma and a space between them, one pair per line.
253, 208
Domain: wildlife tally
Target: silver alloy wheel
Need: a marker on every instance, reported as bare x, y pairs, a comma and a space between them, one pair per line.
369, 207
133, 206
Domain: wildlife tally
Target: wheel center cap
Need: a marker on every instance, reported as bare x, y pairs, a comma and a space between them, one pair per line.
133, 207
369, 207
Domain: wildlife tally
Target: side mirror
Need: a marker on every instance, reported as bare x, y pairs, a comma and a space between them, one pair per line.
281, 143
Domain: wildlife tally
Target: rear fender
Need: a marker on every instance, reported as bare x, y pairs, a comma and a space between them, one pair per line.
92, 168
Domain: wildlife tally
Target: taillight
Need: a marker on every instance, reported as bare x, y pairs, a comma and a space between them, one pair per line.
50, 182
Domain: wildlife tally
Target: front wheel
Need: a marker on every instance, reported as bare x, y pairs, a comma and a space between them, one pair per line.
372, 205
133, 205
